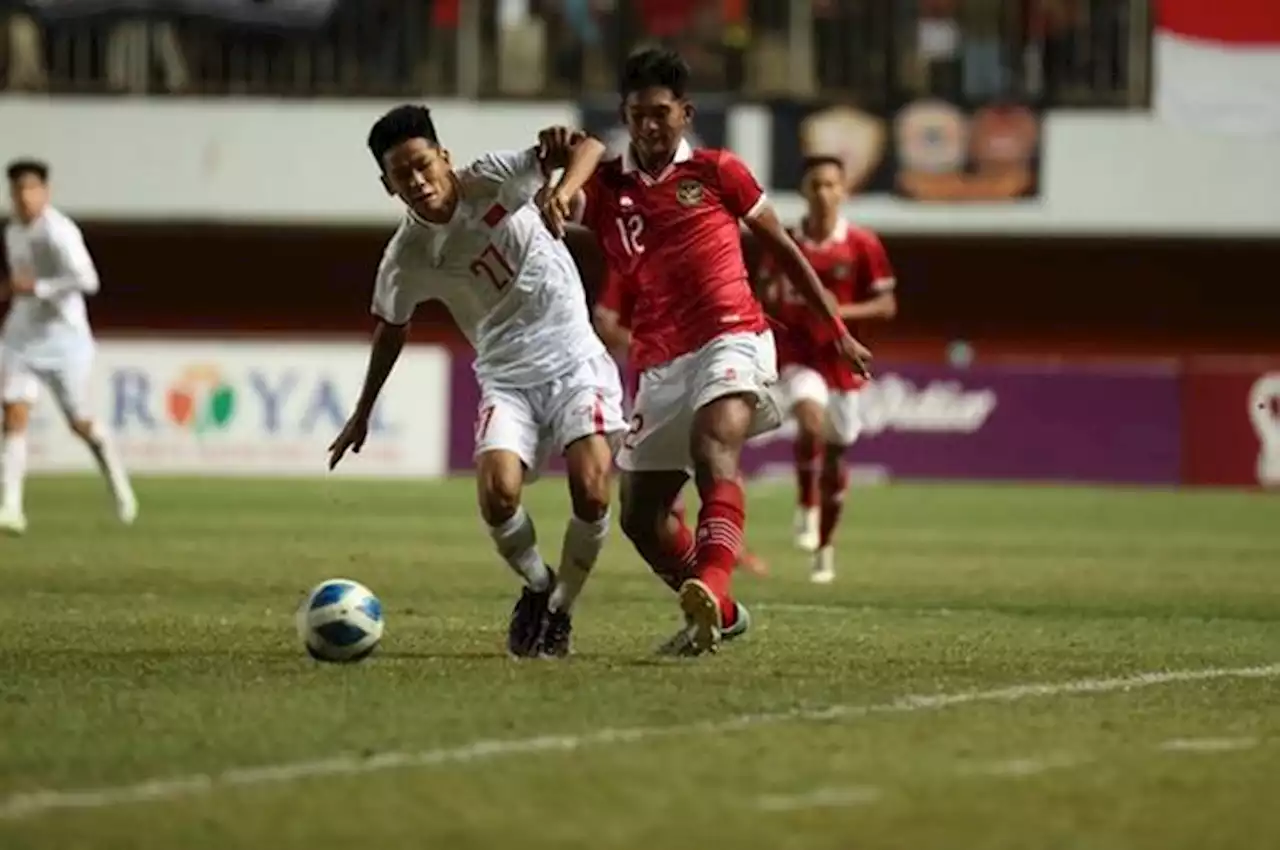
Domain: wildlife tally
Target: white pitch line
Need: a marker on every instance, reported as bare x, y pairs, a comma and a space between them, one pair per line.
1208, 745
803, 608
1022, 767
820, 798
27, 804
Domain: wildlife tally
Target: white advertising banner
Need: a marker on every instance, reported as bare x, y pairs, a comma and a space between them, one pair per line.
234, 407
1102, 172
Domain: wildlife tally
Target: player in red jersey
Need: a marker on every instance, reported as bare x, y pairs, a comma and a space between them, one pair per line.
612, 319
667, 218
820, 389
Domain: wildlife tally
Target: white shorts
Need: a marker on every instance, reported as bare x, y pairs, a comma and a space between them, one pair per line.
670, 394
844, 414
531, 421
68, 377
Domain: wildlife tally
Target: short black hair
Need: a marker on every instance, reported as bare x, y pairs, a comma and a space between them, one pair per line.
22, 167
809, 163
654, 67
400, 125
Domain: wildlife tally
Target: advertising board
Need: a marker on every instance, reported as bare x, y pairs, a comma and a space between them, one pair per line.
230, 407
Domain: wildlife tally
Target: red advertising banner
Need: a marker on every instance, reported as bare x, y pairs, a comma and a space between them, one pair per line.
1231, 423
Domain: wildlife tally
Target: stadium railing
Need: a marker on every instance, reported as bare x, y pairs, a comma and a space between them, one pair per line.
1062, 53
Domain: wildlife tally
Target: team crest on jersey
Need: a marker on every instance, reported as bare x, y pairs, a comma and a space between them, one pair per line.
689, 193
841, 271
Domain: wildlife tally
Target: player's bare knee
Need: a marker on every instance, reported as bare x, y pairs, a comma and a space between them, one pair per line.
590, 462
714, 458
590, 494
83, 429
810, 419
499, 482
16, 415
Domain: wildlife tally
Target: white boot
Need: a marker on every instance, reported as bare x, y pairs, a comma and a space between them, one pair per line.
824, 566
806, 529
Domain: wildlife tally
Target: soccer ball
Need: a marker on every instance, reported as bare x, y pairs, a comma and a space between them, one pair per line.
340, 620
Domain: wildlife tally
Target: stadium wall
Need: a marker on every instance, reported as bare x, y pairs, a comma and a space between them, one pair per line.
237, 243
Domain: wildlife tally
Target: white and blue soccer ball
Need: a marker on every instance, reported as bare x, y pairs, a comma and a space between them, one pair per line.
340, 620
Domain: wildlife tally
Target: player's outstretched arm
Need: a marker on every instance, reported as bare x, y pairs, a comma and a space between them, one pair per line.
388, 341
791, 262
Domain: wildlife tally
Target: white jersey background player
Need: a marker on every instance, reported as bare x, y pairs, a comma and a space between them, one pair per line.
46, 338
473, 240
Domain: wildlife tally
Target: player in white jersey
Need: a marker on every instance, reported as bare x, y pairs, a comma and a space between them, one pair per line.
46, 338
473, 239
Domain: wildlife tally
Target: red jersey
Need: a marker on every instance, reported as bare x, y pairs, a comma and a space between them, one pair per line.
676, 240
853, 266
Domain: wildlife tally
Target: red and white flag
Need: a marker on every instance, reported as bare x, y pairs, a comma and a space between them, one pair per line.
1217, 65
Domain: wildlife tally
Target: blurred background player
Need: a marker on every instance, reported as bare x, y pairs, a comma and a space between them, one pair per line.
667, 219
612, 318
820, 389
473, 240
47, 339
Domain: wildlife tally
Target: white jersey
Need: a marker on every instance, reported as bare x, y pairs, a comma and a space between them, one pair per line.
511, 286
42, 326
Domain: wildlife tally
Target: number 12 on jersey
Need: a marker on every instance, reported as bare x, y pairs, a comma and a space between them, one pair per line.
629, 229
492, 265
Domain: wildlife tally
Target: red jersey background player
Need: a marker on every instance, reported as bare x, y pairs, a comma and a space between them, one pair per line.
819, 388
667, 219
612, 318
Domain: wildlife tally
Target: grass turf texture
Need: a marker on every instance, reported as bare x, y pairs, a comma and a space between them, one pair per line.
168, 650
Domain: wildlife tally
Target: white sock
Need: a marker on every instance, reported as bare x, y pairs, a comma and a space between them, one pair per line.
583, 540
517, 542
104, 453
13, 471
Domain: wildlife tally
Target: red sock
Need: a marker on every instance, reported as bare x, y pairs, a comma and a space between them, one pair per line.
808, 465
720, 526
834, 483
678, 559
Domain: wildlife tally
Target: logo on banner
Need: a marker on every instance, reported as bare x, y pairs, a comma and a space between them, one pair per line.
1264, 413
854, 137
946, 153
200, 400
203, 400
894, 403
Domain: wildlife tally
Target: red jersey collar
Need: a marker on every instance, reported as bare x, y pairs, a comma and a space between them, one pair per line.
684, 152
838, 234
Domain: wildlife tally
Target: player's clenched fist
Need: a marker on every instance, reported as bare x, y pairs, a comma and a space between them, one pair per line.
352, 437
555, 145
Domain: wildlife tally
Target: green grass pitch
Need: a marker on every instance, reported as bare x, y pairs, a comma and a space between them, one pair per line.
982, 675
